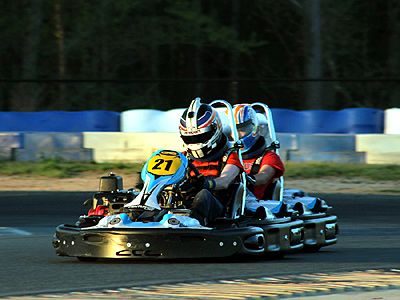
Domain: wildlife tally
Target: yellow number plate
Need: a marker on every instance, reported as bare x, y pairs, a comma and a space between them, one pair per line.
164, 163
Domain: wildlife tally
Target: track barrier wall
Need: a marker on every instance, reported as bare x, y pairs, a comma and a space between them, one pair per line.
129, 146
9, 142
345, 121
392, 121
350, 135
60, 121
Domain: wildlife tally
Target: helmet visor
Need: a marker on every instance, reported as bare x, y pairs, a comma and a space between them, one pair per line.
244, 129
198, 138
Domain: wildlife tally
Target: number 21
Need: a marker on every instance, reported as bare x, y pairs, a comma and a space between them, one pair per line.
160, 161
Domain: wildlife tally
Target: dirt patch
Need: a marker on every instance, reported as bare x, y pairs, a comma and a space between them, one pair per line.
90, 182
85, 182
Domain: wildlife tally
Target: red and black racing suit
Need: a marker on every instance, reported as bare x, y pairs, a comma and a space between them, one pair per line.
209, 205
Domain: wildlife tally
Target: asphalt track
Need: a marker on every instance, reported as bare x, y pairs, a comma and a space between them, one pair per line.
369, 239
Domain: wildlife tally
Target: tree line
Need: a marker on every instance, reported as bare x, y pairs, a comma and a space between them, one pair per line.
127, 54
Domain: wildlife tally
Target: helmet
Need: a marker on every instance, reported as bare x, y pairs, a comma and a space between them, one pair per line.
200, 129
247, 125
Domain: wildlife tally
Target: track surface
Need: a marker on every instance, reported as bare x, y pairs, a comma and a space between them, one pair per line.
369, 239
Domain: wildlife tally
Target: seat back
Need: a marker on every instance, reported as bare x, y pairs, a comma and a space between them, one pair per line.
264, 128
229, 127
235, 203
266, 121
226, 125
277, 193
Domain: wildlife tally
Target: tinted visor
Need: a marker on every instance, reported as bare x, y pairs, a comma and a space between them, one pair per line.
198, 138
244, 129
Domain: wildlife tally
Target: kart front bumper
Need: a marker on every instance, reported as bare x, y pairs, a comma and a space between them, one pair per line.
139, 243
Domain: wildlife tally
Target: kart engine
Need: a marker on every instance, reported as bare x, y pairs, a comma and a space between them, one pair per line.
110, 183
111, 197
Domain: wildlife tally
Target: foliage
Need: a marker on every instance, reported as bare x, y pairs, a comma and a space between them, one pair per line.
121, 55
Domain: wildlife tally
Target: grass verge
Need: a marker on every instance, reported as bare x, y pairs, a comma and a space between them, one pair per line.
318, 170
55, 168
63, 169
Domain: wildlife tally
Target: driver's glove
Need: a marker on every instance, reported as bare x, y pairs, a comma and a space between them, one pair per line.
198, 183
209, 184
202, 182
187, 186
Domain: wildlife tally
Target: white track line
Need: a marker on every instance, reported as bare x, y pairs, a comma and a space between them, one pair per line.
13, 231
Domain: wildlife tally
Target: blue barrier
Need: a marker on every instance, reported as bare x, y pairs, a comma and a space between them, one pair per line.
345, 121
286, 119
363, 120
60, 121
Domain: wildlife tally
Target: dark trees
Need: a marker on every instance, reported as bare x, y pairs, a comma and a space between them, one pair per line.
120, 54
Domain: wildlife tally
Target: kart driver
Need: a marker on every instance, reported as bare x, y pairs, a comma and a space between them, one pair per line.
262, 164
207, 148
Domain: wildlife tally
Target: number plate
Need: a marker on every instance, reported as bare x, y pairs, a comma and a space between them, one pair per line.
164, 163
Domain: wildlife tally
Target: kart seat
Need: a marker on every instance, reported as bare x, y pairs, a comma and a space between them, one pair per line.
273, 191
234, 204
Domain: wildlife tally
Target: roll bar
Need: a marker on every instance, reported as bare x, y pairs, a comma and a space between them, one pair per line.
272, 133
235, 136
